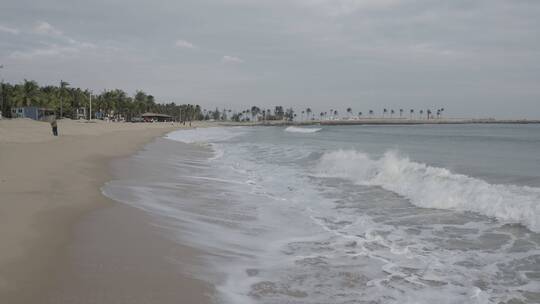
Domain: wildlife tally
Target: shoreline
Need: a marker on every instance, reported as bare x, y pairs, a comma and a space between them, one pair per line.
49, 185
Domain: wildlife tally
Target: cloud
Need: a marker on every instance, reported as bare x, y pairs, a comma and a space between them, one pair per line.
231, 59
346, 7
465, 53
52, 50
10, 30
54, 44
45, 28
183, 44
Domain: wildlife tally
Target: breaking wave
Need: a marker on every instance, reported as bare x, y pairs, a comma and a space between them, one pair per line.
432, 187
302, 130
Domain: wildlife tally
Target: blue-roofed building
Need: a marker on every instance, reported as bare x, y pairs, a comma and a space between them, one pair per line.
35, 113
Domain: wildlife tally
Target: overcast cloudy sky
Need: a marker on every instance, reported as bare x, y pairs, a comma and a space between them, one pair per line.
475, 58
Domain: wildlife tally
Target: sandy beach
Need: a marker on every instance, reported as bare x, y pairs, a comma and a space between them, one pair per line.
54, 220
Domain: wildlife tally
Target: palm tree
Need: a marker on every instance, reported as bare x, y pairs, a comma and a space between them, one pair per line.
371, 113
421, 113
400, 112
140, 99
391, 113
411, 113
308, 113
359, 114
303, 114
254, 112
28, 93
223, 115
349, 111
428, 113
384, 112
335, 113
150, 101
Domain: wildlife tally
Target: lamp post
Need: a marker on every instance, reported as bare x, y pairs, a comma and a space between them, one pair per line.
90, 114
61, 99
63, 85
1, 92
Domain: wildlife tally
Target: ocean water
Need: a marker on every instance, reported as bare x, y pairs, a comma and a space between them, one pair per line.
352, 214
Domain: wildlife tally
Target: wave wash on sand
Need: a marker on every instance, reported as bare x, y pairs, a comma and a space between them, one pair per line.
432, 187
278, 219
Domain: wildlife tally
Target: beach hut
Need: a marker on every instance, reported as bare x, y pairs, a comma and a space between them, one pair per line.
35, 113
151, 117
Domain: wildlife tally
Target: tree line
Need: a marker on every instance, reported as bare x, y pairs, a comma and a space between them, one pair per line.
308, 114
279, 113
251, 114
64, 100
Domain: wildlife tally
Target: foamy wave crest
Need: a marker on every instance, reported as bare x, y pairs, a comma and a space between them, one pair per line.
302, 130
205, 135
433, 187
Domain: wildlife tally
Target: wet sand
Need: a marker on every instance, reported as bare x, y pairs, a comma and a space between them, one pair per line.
118, 256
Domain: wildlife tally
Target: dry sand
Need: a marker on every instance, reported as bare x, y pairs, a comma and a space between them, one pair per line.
48, 187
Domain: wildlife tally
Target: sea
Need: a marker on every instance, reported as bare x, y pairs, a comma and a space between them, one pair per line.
349, 214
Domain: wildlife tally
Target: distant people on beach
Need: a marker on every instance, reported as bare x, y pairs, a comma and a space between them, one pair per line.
54, 127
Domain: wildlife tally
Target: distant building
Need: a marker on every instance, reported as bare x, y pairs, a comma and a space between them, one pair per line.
34, 113
100, 115
151, 117
80, 113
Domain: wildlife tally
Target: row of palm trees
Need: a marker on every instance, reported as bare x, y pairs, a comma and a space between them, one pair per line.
308, 114
116, 103
279, 113
251, 114
65, 100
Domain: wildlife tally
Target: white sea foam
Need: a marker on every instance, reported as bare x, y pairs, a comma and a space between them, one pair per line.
302, 130
205, 135
433, 187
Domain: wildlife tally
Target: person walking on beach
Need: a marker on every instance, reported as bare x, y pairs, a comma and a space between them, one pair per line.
54, 127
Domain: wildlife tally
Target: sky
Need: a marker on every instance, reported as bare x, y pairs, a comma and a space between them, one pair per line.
475, 58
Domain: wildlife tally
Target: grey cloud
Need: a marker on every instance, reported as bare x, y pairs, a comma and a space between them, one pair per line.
231, 59
183, 44
45, 40
45, 28
9, 30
